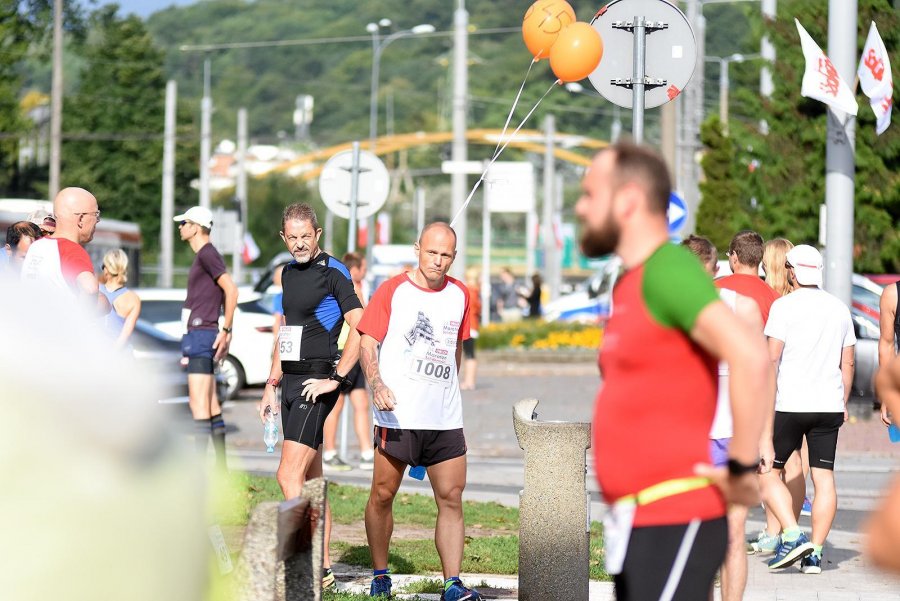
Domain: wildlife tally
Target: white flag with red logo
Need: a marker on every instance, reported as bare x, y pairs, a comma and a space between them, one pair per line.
875, 78
821, 80
249, 250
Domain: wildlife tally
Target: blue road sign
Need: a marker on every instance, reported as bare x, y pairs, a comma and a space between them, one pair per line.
678, 213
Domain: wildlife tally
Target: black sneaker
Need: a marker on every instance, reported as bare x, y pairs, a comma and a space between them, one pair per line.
335, 464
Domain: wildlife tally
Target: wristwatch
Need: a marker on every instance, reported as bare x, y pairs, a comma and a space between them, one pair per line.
227, 330
344, 384
736, 468
273, 382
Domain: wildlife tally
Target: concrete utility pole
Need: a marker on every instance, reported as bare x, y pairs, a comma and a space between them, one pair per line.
692, 114
205, 135
551, 258
840, 165
240, 189
668, 130
166, 226
458, 181
56, 99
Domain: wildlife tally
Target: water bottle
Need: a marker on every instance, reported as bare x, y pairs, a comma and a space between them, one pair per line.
417, 472
894, 432
270, 433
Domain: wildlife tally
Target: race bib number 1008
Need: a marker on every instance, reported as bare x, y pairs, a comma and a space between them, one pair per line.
289, 338
426, 368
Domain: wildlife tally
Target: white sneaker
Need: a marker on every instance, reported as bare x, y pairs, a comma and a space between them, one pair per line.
367, 461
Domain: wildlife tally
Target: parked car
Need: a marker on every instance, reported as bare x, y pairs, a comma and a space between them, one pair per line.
591, 302
249, 358
867, 333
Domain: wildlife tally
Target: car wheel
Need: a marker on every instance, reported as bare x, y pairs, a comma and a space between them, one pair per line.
232, 376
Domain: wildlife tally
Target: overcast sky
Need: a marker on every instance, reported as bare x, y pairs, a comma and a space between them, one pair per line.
145, 8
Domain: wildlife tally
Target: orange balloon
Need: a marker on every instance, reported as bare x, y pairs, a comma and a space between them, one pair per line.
576, 53
543, 22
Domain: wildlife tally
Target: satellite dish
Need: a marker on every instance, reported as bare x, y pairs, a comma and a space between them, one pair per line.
336, 179
671, 51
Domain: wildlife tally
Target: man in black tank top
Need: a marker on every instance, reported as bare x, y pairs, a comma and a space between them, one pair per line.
890, 332
318, 297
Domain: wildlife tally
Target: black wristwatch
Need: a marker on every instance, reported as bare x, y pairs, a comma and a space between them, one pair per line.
736, 468
344, 384
227, 330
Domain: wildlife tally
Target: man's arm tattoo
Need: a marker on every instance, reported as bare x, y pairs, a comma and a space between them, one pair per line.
369, 358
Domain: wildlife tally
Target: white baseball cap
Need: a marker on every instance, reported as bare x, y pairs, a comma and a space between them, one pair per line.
199, 215
807, 264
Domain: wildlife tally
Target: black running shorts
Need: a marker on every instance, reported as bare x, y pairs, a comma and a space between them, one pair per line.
820, 430
421, 447
301, 420
652, 562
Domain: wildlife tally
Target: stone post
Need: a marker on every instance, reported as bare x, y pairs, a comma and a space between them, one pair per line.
281, 559
554, 521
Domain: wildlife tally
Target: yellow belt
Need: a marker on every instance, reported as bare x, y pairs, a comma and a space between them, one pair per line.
665, 489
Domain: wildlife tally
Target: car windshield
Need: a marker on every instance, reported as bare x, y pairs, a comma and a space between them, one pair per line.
161, 311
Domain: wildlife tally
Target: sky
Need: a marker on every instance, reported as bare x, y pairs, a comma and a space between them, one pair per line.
145, 8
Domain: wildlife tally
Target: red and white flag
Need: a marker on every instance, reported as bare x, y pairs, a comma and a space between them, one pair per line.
821, 80
875, 78
249, 250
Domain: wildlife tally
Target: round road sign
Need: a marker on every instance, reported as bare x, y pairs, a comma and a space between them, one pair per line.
336, 179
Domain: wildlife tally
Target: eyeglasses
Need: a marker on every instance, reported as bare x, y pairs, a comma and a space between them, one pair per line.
788, 266
96, 214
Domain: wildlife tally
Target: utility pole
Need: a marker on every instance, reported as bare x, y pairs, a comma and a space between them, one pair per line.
240, 189
166, 236
668, 126
56, 100
840, 165
692, 114
551, 261
205, 135
767, 51
458, 181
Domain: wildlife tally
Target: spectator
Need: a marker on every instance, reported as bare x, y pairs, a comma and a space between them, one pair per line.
508, 297
125, 304
19, 237
470, 363
774, 258
533, 297
44, 220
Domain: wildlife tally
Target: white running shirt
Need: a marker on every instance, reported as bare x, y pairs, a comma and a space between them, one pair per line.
722, 426
419, 330
815, 327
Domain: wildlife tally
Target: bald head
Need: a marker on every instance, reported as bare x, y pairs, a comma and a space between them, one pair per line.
437, 228
77, 214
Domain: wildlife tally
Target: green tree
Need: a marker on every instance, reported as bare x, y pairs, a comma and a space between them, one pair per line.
114, 123
790, 183
721, 213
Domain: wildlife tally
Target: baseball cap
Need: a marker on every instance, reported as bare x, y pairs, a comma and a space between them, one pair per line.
199, 215
807, 264
43, 220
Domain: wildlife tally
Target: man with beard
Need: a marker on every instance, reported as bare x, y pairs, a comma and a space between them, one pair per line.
318, 298
666, 530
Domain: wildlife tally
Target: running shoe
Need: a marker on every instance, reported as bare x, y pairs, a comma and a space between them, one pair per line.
807, 507
335, 464
457, 592
763, 544
811, 564
790, 552
381, 587
327, 579
367, 461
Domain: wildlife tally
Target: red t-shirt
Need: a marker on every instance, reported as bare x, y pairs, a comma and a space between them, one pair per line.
73, 260
752, 287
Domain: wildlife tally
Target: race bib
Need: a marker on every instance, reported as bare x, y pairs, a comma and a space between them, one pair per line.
430, 366
289, 342
617, 525
185, 319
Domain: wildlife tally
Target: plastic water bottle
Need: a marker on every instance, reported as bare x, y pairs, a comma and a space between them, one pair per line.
270, 433
417, 472
894, 432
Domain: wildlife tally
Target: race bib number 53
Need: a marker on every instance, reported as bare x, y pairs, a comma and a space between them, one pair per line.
289, 338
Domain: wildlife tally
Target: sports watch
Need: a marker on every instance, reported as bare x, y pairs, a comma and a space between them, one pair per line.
344, 384
736, 468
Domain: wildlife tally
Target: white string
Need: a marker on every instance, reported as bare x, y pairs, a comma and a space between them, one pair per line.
499, 152
514, 105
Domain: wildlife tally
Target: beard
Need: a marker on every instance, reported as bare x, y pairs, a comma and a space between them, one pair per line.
599, 242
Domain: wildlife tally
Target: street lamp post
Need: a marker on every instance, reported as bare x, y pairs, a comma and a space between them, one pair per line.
724, 82
378, 46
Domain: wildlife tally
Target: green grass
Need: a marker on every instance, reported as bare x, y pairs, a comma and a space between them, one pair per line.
492, 543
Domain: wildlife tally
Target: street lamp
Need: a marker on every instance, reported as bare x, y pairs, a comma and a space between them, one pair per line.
378, 46
724, 61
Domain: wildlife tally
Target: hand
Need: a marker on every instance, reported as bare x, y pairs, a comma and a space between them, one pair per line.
312, 388
738, 490
383, 398
766, 457
223, 341
885, 415
269, 402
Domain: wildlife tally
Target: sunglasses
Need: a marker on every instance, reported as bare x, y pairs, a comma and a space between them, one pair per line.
184, 223
788, 266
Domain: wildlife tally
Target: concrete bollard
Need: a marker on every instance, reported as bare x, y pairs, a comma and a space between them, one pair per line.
281, 559
554, 524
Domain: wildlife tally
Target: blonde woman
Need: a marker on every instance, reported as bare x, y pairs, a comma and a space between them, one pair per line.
774, 258
125, 304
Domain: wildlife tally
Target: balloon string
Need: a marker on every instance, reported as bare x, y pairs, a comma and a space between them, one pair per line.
498, 153
513, 108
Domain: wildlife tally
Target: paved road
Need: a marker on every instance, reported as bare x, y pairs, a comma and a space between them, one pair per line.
866, 462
